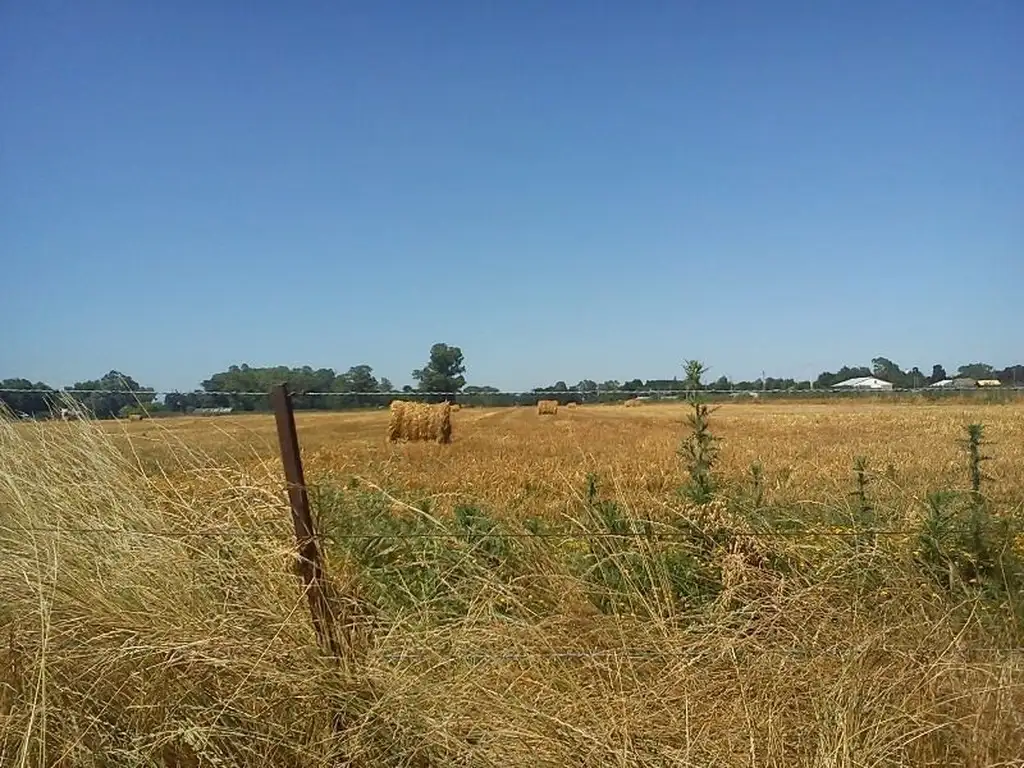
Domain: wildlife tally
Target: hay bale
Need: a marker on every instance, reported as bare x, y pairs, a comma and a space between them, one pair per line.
547, 407
420, 421
456, 407
572, 405
633, 402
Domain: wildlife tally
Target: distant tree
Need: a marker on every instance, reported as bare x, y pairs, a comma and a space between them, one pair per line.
827, 379
32, 403
779, 385
443, 373
975, 371
654, 385
355, 384
358, 378
113, 392
722, 384
386, 385
916, 378
179, 402
938, 374
242, 387
887, 370
1012, 375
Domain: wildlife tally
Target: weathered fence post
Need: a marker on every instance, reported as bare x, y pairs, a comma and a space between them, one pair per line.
310, 561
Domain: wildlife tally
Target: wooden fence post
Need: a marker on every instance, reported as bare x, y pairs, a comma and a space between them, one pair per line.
310, 561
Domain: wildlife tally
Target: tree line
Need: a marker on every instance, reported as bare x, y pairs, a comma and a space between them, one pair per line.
242, 387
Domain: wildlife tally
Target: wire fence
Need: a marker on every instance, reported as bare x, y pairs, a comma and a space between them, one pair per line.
463, 393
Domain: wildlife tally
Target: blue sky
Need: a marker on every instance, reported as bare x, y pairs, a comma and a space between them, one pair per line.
563, 189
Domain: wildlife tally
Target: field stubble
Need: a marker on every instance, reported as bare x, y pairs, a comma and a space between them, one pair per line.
512, 462
600, 650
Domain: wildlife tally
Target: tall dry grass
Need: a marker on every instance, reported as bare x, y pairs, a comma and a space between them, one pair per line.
128, 643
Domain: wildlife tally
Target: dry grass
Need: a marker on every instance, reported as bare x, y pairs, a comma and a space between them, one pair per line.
633, 402
129, 649
420, 421
505, 460
547, 407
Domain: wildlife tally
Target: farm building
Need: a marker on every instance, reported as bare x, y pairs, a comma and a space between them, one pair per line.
960, 383
989, 382
863, 382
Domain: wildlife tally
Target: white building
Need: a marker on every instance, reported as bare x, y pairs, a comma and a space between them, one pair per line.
960, 382
863, 382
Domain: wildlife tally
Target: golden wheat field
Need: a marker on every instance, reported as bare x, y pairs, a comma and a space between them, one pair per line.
494, 607
513, 461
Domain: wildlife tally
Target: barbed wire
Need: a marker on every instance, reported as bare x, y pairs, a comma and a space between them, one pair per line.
510, 392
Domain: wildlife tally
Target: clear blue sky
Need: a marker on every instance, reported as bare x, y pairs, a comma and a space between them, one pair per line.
564, 189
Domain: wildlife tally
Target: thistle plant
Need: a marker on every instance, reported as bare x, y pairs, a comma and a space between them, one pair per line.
699, 449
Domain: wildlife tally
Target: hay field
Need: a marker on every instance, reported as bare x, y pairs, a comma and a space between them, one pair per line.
516, 463
539, 592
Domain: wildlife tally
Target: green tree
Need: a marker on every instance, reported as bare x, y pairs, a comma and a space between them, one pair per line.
179, 402
938, 374
722, 384
827, 378
975, 371
587, 389
358, 378
32, 403
247, 379
887, 370
443, 373
357, 383
1012, 375
113, 392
